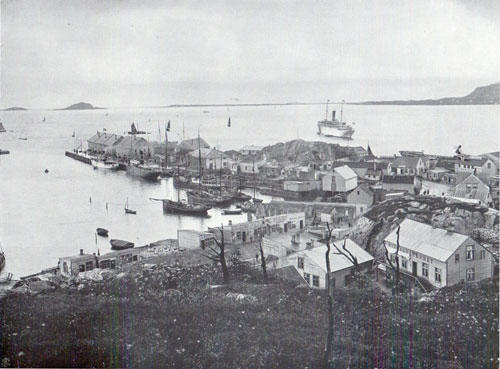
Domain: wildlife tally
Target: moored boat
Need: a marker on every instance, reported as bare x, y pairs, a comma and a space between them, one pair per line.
104, 164
2, 128
182, 207
149, 172
232, 211
121, 244
102, 232
240, 196
207, 198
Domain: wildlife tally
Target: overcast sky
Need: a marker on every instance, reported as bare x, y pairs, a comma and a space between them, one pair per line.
127, 53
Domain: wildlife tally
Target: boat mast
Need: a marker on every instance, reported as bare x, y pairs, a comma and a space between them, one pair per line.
341, 111
326, 116
220, 175
253, 170
167, 128
199, 161
178, 186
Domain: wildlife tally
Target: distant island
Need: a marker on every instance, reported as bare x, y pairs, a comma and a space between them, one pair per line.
485, 95
80, 106
14, 108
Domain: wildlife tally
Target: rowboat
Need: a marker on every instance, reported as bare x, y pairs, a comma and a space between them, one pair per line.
102, 232
121, 244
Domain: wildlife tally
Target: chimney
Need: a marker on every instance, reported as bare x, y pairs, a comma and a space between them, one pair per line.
81, 251
308, 245
333, 115
230, 222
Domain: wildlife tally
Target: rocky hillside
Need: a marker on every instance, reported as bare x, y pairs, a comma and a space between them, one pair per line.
469, 219
480, 96
303, 152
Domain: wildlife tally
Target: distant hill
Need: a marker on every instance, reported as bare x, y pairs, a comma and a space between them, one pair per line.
13, 108
485, 95
80, 106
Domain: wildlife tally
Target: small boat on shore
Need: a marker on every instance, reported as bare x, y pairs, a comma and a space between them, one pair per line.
102, 232
121, 244
2, 128
23, 138
231, 211
105, 164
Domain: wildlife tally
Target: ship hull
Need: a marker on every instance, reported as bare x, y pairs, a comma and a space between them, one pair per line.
144, 173
174, 207
331, 131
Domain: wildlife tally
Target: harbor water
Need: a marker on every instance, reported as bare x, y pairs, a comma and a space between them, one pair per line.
44, 216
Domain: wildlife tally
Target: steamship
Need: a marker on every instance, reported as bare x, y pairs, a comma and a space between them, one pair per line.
334, 127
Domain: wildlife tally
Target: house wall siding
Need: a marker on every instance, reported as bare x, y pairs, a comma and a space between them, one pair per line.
457, 272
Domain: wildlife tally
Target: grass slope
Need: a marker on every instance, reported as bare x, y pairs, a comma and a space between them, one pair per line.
166, 317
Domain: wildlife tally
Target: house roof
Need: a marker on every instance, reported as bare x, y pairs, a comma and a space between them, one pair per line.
475, 162
480, 193
337, 262
360, 164
373, 172
446, 163
345, 172
290, 273
400, 179
363, 187
405, 161
207, 153
493, 156
192, 144
437, 243
95, 137
129, 141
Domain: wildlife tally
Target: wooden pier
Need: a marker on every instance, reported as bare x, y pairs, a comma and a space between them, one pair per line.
79, 157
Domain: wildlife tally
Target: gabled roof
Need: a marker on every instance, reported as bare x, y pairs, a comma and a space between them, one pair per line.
466, 190
401, 179
345, 172
207, 153
95, 137
192, 144
447, 163
474, 162
363, 187
337, 262
437, 243
130, 141
405, 161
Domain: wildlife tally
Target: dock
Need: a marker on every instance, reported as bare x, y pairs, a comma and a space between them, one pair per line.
79, 157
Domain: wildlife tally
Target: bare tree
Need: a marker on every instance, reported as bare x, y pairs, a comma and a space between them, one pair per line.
219, 256
329, 339
395, 268
346, 253
262, 259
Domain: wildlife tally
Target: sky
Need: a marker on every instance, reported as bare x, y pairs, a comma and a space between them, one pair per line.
154, 53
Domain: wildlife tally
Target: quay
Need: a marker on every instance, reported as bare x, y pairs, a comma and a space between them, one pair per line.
79, 157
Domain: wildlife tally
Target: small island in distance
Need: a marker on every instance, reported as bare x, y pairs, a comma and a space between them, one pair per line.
80, 106
14, 108
484, 95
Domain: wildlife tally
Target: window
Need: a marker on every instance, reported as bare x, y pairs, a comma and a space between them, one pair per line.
470, 253
425, 269
489, 165
358, 192
315, 281
300, 263
238, 235
307, 277
81, 267
404, 263
457, 258
104, 264
482, 254
437, 275
470, 274
89, 265
65, 267
134, 258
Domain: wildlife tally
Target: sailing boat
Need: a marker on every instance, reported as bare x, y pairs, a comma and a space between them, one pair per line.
129, 211
139, 168
43, 119
73, 135
182, 207
166, 172
4, 278
2, 128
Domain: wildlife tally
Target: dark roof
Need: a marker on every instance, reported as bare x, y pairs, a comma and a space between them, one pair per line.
399, 179
446, 163
360, 164
405, 161
474, 162
290, 273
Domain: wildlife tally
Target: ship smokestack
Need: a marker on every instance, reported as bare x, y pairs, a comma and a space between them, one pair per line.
333, 115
